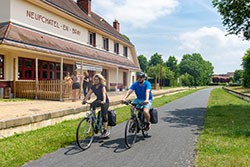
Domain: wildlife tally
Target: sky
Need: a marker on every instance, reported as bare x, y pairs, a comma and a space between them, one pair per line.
175, 28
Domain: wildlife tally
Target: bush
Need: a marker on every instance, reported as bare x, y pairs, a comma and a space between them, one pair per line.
217, 84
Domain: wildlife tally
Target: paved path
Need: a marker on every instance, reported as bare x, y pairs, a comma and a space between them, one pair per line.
171, 144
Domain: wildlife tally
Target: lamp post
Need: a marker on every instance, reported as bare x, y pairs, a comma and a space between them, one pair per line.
174, 75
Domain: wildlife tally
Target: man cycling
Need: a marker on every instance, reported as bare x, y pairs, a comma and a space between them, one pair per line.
143, 93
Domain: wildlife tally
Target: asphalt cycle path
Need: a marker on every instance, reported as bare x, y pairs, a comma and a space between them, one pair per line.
171, 142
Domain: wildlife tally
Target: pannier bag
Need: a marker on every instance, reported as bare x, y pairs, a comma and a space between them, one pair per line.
153, 115
111, 117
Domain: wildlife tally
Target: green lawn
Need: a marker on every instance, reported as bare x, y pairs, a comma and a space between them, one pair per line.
240, 89
21, 148
224, 141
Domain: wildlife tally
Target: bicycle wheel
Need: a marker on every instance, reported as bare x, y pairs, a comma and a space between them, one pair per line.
144, 126
85, 133
130, 132
144, 132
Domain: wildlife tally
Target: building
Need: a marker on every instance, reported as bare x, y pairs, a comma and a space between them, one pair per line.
41, 40
230, 74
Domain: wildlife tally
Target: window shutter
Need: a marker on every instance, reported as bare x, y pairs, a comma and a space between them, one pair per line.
94, 40
107, 44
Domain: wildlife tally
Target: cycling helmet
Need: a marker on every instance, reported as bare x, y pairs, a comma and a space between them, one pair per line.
141, 74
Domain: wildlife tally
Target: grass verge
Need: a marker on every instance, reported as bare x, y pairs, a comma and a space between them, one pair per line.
224, 140
240, 89
21, 148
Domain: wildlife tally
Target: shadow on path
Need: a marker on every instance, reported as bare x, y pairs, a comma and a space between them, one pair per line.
193, 117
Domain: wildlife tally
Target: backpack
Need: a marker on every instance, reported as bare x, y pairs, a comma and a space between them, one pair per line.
111, 117
153, 115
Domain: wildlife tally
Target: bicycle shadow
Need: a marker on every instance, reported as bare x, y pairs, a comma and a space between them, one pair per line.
75, 149
118, 144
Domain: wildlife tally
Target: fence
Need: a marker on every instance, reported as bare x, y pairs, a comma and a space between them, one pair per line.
49, 89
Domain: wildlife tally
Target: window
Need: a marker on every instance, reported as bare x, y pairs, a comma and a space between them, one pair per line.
1, 67
106, 44
116, 48
46, 70
125, 51
26, 68
92, 39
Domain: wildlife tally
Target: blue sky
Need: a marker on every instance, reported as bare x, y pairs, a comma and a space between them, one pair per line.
175, 28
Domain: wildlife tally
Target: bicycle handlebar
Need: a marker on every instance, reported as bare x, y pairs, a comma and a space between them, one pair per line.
85, 102
134, 104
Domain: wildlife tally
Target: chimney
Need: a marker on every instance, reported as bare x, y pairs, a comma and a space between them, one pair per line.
116, 25
86, 5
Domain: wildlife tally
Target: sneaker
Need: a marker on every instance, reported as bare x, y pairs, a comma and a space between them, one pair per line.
148, 126
105, 134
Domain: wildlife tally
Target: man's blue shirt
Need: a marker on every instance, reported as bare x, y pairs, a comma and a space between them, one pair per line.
140, 91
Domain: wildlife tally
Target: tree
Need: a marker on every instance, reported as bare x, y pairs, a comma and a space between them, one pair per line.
143, 62
186, 80
154, 72
173, 66
238, 74
195, 66
235, 16
155, 59
126, 37
246, 68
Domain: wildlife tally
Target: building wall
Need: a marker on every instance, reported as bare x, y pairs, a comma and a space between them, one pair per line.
25, 13
8, 71
5, 11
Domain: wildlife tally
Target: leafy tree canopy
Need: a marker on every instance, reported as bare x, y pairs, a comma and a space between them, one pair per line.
154, 72
195, 66
238, 74
235, 16
143, 62
173, 66
171, 63
155, 59
246, 68
187, 80
126, 37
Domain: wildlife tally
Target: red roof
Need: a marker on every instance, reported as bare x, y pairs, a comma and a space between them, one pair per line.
230, 73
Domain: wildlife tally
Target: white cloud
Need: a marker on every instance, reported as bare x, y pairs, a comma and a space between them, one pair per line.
225, 52
137, 13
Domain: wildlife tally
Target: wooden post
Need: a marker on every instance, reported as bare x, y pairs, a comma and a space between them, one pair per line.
160, 73
61, 78
117, 78
81, 81
36, 97
14, 75
129, 79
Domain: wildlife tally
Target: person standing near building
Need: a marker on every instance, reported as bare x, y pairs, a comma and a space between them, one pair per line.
85, 83
68, 83
75, 85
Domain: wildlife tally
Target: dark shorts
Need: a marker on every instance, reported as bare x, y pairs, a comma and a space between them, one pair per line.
76, 86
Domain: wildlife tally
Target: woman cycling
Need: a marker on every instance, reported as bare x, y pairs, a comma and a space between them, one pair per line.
100, 91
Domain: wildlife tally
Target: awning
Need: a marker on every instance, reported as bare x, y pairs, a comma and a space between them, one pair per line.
23, 37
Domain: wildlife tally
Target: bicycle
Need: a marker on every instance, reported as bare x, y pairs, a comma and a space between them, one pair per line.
87, 127
134, 124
